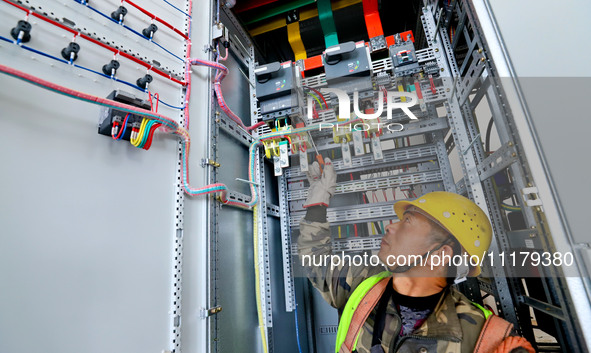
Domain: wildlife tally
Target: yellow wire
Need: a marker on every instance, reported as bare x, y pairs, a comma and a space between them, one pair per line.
137, 140
134, 140
257, 275
401, 89
317, 100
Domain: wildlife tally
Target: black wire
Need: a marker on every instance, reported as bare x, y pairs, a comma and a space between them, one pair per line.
377, 225
488, 130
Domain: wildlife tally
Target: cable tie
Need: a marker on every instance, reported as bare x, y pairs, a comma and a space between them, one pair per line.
247, 181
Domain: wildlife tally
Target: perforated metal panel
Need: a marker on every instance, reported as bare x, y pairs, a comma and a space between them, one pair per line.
94, 224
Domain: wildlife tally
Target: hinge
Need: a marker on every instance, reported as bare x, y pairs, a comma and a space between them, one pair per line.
205, 313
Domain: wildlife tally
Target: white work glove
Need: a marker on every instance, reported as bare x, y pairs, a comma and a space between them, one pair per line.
322, 186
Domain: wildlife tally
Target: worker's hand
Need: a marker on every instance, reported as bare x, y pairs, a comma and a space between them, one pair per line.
323, 183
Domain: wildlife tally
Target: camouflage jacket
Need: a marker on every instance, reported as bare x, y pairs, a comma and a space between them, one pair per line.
453, 326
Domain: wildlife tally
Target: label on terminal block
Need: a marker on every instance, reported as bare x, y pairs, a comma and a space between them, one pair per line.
376, 147
347, 162
283, 154
358, 143
277, 166
303, 161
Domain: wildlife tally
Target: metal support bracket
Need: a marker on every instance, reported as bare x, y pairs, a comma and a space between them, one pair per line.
544, 307
530, 196
205, 162
205, 313
501, 159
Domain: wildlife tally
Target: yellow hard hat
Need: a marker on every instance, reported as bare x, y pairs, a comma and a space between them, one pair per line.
460, 216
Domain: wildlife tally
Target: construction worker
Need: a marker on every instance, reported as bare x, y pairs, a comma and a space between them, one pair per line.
410, 307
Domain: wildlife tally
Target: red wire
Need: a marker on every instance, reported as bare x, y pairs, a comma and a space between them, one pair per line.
154, 17
121, 129
256, 125
321, 96
92, 40
148, 143
157, 96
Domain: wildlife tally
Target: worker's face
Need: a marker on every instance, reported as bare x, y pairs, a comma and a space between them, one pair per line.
409, 236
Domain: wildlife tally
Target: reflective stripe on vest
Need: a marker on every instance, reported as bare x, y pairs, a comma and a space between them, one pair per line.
486, 312
352, 304
355, 299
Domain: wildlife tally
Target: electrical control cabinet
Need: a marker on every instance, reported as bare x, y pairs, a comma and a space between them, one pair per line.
119, 250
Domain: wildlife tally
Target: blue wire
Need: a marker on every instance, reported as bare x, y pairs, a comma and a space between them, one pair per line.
186, 14
296, 320
124, 127
45, 54
90, 70
131, 30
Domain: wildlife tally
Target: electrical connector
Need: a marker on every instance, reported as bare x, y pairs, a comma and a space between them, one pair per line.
110, 118
116, 122
135, 129
144, 81
111, 68
119, 14
22, 32
149, 31
70, 53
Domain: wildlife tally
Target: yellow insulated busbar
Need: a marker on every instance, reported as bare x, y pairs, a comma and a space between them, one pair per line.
295, 40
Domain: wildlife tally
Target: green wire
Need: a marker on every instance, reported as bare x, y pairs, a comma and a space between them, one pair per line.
317, 100
510, 208
146, 133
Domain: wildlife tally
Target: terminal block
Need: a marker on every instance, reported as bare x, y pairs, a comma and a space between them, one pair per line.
342, 137
110, 115
299, 145
277, 150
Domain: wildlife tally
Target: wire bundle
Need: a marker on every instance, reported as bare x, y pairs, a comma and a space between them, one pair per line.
172, 127
222, 71
143, 138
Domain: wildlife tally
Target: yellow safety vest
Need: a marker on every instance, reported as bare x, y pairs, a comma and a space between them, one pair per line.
356, 298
